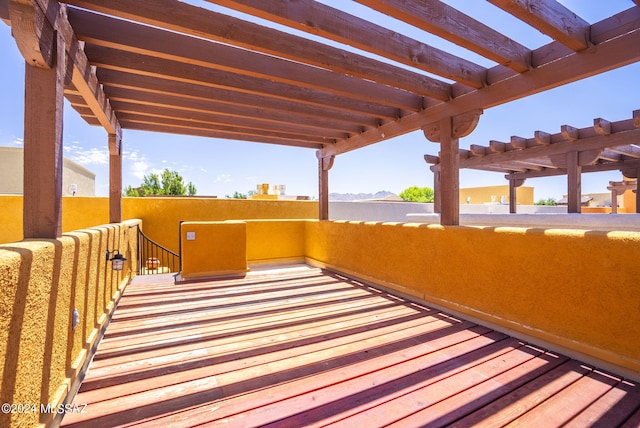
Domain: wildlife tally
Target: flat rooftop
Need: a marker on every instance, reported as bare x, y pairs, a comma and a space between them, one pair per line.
300, 346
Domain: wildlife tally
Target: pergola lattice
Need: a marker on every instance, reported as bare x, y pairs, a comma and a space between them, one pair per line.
168, 66
604, 147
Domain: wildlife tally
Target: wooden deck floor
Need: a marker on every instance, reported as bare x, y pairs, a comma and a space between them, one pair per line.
303, 347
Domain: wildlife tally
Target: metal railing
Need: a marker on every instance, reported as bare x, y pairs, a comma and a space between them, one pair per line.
153, 258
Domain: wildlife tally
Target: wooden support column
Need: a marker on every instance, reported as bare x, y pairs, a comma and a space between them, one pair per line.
447, 131
324, 165
437, 191
574, 183
614, 201
449, 175
45, 74
513, 186
512, 197
115, 178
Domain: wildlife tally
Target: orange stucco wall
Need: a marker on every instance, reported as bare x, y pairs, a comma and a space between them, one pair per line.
78, 212
574, 289
489, 194
629, 202
161, 216
230, 247
42, 282
213, 248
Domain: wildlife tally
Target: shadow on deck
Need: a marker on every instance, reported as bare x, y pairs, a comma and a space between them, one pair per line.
305, 347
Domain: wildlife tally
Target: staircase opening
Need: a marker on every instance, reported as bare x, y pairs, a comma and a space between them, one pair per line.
153, 258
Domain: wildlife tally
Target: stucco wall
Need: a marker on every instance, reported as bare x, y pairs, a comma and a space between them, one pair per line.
483, 195
574, 289
229, 247
78, 212
213, 248
161, 217
12, 174
42, 282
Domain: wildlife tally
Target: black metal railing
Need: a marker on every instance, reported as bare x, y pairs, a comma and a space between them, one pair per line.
153, 258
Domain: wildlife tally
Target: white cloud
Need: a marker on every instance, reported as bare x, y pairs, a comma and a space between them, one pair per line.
139, 169
17, 142
92, 156
224, 178
131, 156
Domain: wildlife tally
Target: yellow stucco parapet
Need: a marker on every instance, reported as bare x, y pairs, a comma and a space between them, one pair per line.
211, 249
161, 216
43, 283
575, 290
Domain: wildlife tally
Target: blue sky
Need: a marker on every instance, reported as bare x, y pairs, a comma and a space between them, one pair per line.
220, 167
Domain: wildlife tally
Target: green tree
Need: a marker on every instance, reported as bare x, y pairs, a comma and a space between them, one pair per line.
417, 194
236, 195
191, 189
169, 183
548, 201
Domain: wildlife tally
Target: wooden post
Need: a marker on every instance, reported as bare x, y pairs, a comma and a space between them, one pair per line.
436, 192
324, 165
574, 185
43, 155
115, 178
614, 201
449, 175
514, 183
512, 197
447, 131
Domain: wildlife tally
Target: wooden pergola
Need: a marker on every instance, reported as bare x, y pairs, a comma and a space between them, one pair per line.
605, 146
168, 66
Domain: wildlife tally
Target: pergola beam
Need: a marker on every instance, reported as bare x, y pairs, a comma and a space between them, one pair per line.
162, 113
126, 36
447, 22
590, 142
178, 16
189, 124
552, 19
600, 167
50, 16
183, 72
321, 20
203, 132
124, 86
618, 49
601, 147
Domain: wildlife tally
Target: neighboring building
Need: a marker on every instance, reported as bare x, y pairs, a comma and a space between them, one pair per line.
12, 170
495, 195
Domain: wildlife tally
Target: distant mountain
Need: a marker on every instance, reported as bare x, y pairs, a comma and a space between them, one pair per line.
359, 196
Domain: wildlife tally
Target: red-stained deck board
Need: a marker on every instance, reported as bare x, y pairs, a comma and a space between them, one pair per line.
305, 347
282, 398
